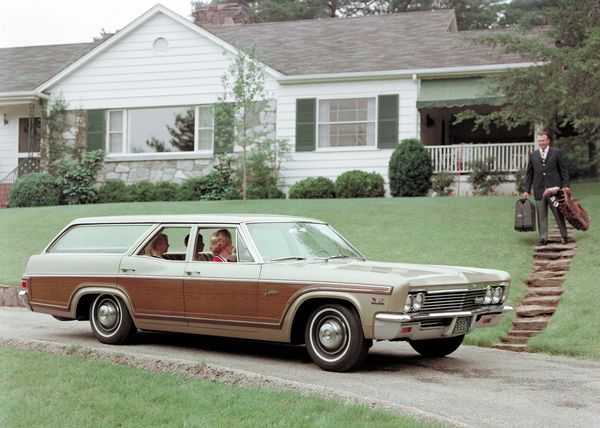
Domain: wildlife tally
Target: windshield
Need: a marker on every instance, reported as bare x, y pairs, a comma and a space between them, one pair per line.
299, 241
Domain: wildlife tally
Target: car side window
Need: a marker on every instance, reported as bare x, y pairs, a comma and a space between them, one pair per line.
169, 243
204, 251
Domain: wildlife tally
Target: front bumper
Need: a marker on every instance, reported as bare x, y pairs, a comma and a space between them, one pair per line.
24, 299
432, 325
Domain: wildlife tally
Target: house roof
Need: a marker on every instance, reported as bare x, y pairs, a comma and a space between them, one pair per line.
401, 41
24, 68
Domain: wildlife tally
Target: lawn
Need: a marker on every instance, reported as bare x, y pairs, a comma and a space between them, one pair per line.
467, 231
37, 389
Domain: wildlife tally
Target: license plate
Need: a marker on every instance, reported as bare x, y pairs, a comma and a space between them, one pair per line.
462, 325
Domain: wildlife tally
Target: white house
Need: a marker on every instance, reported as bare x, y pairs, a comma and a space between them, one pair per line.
345, 91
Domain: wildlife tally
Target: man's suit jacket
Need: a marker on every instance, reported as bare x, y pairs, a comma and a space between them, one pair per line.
544, 174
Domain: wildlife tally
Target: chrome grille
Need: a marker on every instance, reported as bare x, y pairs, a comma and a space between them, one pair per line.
453, 301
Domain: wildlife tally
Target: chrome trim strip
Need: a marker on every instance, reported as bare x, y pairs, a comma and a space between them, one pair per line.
433, 315
392, 317
364, 288
507, 308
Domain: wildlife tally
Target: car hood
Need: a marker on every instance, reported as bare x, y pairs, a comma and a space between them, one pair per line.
414, 275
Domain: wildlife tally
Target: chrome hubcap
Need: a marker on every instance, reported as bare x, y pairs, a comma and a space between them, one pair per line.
331, 334
108, 315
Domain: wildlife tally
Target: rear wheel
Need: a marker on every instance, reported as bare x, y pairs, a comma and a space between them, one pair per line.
110, 320
334, 338
437, 348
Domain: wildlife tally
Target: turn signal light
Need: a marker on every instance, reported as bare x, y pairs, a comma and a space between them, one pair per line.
23, 284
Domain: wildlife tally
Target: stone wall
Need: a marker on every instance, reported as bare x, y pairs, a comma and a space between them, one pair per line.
9, 296
175, 171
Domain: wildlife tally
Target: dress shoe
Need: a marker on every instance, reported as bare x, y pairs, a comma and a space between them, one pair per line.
542, 242
564, 240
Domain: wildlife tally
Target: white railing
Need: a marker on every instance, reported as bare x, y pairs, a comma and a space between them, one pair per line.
458, 158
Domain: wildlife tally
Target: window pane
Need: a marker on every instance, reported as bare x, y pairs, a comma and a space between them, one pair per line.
99, 239
161, 130
206, 117
205, 139
115, 143
115, 121
324, 136
352, 122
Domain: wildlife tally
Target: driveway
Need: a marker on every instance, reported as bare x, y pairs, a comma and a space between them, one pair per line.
473, 387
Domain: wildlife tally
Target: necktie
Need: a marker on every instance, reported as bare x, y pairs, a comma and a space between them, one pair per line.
543, 153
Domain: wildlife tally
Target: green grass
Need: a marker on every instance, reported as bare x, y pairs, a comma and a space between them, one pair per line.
37, 389
475, 231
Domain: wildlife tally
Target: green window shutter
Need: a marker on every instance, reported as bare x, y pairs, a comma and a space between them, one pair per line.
387, 121
96, 130
306, 124
224, 127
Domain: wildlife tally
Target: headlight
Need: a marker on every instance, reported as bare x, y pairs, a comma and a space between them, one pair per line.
408, 303
488, 296
417, 302
497, 295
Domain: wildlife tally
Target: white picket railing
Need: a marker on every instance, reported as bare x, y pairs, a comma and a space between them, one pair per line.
458, 158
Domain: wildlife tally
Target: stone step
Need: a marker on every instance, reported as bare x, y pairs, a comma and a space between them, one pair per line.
541, 300
515, 347
534, 310
554, 255
519, 340
530, 324
544, 291
534, 281
552, 265
523, 333
546, 275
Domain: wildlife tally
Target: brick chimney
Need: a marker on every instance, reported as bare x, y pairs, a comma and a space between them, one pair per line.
222, 14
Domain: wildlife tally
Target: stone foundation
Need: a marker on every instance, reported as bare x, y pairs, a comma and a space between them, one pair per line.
9, 296
175, 171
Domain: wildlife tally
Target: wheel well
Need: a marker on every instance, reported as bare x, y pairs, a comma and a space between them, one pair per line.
304, 311
83, 307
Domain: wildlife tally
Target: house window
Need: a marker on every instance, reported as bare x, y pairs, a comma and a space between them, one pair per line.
347, 122
160, 130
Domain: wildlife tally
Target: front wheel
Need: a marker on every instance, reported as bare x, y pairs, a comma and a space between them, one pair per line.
334, 338
437, 348
110, 320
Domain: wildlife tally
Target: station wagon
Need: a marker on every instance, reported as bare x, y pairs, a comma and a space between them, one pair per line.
289, 279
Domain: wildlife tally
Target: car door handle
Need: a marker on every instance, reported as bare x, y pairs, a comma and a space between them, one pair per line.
128, 269
192, 272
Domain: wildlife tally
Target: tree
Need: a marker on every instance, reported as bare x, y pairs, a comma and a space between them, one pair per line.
246, 97
563, 89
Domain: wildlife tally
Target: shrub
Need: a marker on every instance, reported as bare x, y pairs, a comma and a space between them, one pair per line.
410, 169
359, 184
142, 191
442, 183
313, 188
520, 180
207, 187
114, 191
482, 179
165, 191
76, 180
34, 190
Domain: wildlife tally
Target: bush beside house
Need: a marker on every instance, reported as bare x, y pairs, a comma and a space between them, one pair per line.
34, 190
313, 188
410, 169
359, 184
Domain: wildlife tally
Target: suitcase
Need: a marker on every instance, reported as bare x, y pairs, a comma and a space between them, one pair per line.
524, 216
571, 210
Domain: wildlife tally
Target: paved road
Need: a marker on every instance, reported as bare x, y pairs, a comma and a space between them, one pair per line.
473, 387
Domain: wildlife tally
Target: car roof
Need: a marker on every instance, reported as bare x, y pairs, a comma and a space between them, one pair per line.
194, 218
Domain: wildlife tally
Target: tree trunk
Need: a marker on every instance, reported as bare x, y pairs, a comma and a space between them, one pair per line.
592, 156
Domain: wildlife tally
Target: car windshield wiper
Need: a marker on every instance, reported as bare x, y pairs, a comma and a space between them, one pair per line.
340, 256
287, 258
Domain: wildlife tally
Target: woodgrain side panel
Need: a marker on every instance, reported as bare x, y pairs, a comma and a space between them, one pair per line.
57, 290
210, 299
160, 296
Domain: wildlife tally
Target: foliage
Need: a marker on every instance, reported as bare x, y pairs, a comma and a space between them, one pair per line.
76, 180
313, 188
264, 165
219, 184
244, 84
114, 191
359, 184
520, 180
470, 14
564, 88
575, 153
60, 123
410, 169
34, 190
483, 180
442, 183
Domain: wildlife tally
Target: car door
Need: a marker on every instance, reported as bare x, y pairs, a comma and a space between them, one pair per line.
155, 284
222, 294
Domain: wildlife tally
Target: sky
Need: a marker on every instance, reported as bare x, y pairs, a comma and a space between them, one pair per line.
49, 22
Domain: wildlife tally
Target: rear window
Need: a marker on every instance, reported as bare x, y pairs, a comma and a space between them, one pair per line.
102, 238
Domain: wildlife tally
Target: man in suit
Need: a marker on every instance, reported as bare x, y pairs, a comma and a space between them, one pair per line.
546, 169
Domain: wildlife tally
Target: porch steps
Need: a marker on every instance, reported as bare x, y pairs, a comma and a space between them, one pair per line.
544, 288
